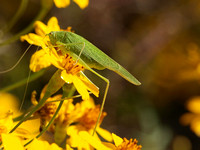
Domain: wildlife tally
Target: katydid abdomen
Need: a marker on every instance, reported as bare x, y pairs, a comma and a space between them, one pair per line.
90, 56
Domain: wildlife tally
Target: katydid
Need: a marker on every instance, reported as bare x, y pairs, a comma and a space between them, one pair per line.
89, 56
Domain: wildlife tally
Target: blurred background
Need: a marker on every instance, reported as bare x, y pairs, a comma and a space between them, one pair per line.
155, 40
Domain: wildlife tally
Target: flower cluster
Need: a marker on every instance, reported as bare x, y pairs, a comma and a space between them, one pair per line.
57, 121
192, 118
49, 55
72, 127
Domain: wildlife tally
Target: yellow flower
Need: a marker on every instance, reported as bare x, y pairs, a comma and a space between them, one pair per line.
11, 142
64, 3
68, 114
122, 144
6, 122
27, 130
192, 118
8, 109
86, 122
9, 102
42, 145
119, 143
48, 55
47, 111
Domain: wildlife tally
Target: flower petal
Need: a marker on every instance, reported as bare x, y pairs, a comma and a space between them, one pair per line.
68, 78
38, 145
9, 102
117, 139
55, 59
75, 140
88, 104
29, 128
43, 145
39, 60
195, 126
79, 85
40, 28
6, 122
105, 134
53, 24
194, 104
92, 141
109, 145
82, 3
61, 3
81, 88
90, 86
68, 147
33, 39
11, 142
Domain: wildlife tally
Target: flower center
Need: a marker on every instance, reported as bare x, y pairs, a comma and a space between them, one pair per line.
89, 119
129, 145
48, 110
71, 66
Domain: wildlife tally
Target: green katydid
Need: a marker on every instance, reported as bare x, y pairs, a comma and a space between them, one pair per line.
89, 56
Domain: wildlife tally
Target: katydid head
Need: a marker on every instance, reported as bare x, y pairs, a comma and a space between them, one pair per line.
56, 36
53, 37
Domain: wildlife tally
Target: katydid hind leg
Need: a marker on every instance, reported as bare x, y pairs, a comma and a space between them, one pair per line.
104, 98
105, 79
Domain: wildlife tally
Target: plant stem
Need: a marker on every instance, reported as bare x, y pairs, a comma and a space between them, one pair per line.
22, 82
67, 93
15, 18
44, 10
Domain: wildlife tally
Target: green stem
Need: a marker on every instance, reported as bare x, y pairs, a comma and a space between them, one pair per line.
22, 82
50, 122
44, 10
26, 116
22, 116
67, 93
72, 97
54, 84
16, 17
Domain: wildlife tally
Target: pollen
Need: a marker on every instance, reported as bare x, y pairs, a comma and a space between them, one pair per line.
47, 111
71, 66
89, 119
129, 145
